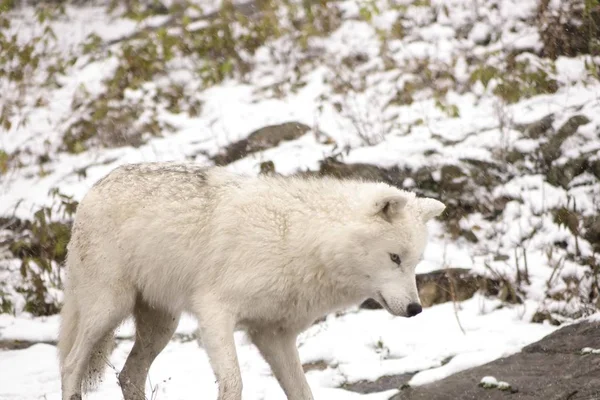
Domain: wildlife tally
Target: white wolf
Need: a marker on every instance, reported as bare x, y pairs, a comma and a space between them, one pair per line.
267, 254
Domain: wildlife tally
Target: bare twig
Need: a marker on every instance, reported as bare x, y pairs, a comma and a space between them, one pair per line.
452, 291
526, 267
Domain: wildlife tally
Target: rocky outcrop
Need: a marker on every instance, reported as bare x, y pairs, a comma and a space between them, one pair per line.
553, 368
261, 139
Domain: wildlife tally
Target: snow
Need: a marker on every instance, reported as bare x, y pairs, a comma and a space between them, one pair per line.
490, 382
530, 41
570, 70
480, 33
594, 317
358, 345
589, 350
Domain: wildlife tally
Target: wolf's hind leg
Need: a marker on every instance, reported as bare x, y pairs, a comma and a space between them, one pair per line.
279, 350
154, 327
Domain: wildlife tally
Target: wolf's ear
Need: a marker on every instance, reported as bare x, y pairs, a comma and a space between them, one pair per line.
389, 207
430, 208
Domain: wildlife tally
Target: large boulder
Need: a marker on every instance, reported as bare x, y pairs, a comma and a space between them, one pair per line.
552, 368
261, 139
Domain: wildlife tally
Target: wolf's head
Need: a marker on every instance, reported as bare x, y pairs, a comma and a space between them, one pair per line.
387, 244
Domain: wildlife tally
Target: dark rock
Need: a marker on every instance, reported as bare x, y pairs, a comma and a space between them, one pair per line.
540, 316
514, 156
233, 152
501, 202
315, 366
537, 129
354, 60
261, 139
594, 168
561, 244
486, 177
481, 164
570, 127
469, 235
271, 136
551, 149
9, 344
451, 284
552, 368
424, 181
332, 167
569, 340
382, 384
463, 31
452, 178
592, 231
562, 175
157, 8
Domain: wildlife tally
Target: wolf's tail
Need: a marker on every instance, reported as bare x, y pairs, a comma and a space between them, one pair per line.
70, 324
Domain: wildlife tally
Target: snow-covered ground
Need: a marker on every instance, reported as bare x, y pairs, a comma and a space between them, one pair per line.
358, 345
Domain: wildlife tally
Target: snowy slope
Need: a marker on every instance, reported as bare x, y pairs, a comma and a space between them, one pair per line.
359, 345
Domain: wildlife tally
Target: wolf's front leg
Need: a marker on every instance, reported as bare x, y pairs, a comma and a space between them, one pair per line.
280, 351
216, 332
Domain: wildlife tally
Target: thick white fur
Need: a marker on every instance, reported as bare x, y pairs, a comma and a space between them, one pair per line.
267, 254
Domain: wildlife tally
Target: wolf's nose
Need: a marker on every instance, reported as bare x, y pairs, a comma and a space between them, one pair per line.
413, 309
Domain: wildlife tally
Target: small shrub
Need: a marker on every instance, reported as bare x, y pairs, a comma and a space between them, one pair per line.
569, 27
41, 245
25, 66
220, 50
515, 80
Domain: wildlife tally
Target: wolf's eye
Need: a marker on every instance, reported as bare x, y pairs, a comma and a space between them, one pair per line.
395, 258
